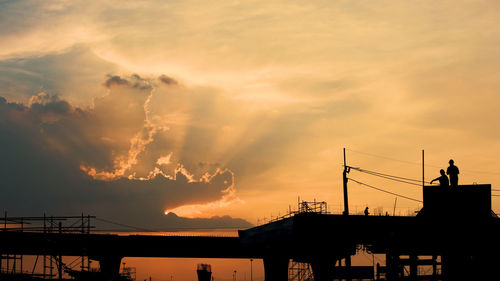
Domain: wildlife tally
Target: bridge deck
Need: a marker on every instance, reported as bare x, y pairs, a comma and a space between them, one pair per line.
95, 245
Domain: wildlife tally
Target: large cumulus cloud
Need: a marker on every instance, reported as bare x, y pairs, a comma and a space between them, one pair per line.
61, 159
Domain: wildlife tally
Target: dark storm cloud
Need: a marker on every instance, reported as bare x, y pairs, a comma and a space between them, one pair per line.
115, 80
167, 80
42, 148
134, 81
51, 104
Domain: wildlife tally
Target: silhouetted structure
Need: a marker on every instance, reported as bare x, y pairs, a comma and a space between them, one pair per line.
366, 211
453, 241
443, 179
11, 265
453, 172
204, 272
454, 233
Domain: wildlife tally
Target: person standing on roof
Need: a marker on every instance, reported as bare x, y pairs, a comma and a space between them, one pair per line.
443, 180
453, 172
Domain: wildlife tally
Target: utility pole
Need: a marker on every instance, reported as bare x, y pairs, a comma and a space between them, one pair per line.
344, 178
346, 213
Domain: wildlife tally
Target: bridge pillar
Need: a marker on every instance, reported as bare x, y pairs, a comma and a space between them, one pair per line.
276, 268
323, 270
110, 266
393, 266
413, 267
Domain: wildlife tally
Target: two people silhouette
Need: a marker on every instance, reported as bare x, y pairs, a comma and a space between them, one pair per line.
452, 171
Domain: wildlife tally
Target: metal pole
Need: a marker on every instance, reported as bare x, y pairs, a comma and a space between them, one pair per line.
423, 169
44, 256
59, 264
344, 178
251, 270
82, 266
346, 213
50, 257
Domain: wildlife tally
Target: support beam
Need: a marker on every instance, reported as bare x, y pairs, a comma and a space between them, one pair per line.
348, 268
393, 266
434, 267
323, 269
110, 266
276, 268
413, 267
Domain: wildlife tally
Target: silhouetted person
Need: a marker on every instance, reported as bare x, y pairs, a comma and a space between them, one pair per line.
453, 172
443, 179
366, 211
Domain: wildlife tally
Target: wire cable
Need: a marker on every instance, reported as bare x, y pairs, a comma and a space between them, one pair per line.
390, 177
125, 225
388, 158
416, 163
378, 173
382, 190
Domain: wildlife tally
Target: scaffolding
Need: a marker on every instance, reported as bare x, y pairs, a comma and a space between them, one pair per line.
49, 266
318, 207
129, 273
301, 271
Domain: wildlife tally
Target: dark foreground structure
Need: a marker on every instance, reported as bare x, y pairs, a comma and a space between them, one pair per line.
455, 232
455, 236
204, 272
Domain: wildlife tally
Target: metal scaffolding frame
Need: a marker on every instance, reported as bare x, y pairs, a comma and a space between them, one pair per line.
51, 266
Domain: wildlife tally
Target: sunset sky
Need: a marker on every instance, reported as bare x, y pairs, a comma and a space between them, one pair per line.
130, 109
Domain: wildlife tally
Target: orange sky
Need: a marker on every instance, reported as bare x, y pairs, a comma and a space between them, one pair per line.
237, 108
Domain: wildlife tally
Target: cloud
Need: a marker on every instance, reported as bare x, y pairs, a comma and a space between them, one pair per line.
180, 222
76, 73
60, 159
115, 80
167, 80
379, 76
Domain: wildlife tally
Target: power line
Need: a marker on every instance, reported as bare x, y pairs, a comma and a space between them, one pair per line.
378, 173
382, 190
388, 158
390, 177
173, 229
125, 225
416, 163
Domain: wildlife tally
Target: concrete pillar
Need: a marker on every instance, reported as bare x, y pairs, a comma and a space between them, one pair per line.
323, 270
393, 266
276, 268
110, 266
434, 267
348, 268
413, 267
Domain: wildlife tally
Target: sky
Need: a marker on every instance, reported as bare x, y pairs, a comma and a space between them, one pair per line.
226, 112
